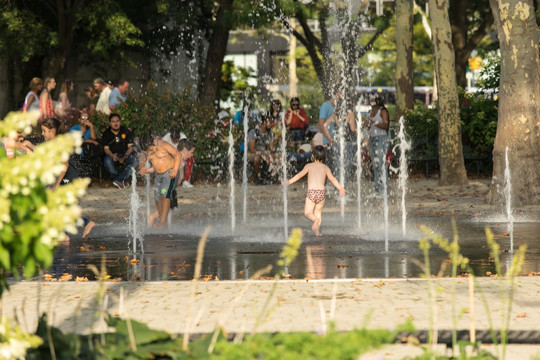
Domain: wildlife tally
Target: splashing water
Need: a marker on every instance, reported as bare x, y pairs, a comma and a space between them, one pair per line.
404, 147
385, 204
218, 191
231, 179
359, 168
508, 197
245, 121
147, 181
341, 137
135, 203
284, 175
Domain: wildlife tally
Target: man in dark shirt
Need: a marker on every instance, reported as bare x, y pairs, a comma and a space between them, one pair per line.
119, 148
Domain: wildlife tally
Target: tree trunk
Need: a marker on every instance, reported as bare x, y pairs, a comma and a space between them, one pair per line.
518, 127
451, 163
404, 57
217, 48
66, 18
293, 79
464, 43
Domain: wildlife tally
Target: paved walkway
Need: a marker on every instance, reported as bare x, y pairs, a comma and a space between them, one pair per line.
197, 307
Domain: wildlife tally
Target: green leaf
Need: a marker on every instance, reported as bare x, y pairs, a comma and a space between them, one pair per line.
5, 259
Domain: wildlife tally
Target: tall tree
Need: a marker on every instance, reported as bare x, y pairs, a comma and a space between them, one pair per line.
451, 162
40, 36
404, 57
470, 21
518, 127
217, 48
319, 44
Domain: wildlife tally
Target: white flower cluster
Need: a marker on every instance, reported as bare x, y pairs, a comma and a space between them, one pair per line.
14, 343
29, 173
18, 122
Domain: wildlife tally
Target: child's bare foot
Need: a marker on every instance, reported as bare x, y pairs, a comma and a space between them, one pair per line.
160, 225
316, 226
152, 219
87, 229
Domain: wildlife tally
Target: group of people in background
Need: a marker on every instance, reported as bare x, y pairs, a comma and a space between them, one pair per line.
337, 120
170, 157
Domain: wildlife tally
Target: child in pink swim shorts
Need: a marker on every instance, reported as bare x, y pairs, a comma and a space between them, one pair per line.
317, 173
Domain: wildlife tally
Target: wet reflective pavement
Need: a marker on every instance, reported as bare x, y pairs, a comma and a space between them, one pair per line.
345, 249
338, 253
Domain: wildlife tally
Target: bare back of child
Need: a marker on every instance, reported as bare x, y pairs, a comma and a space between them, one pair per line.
317, 173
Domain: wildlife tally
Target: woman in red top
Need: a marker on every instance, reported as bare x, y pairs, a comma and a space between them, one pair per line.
296, 120
46, 105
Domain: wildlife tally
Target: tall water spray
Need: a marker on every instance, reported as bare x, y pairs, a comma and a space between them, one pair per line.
231, 178
404, 147
284, 174
385, 203
134, 221
245, 123
341, 138
508, 197
147, 183
359, 168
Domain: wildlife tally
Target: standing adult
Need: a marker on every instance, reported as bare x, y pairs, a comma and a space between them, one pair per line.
379, 122
104, 92
63, 108
296, 120
31, 101
349, 138
118, 94
327, 109
46, 104
119, 148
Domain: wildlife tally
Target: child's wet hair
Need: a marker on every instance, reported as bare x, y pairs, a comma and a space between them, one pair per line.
145, 141
184, 144
319, 153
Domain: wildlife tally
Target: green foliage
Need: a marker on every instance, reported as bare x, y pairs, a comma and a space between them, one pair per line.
290, 249
19, 40
235, 83
133, 340
158, 112
422, 127
490, 73
478, 126
33, 219
479, 116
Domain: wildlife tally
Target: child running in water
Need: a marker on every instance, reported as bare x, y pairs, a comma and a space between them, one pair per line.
317, 172
165, 161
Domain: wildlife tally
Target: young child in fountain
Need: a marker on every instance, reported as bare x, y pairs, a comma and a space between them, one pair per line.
317, 173
165, 162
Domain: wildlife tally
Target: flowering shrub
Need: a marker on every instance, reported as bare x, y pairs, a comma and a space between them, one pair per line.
33, 219
158, 112
14, 343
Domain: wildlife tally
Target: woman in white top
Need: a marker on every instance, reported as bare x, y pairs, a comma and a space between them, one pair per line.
31, 101
378, 142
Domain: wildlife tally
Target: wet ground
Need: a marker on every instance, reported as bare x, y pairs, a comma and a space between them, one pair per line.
338, 253
346, 248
